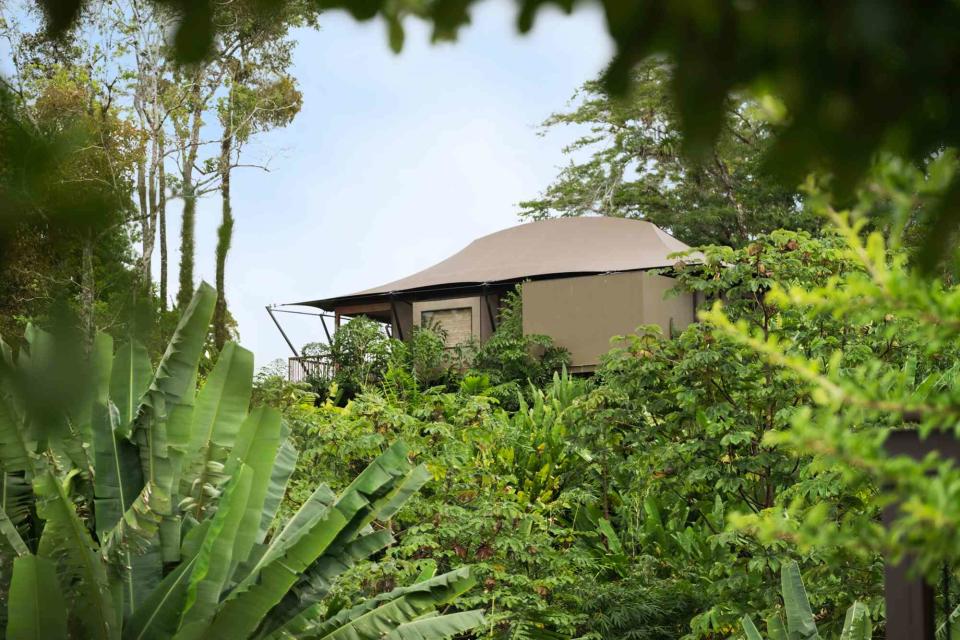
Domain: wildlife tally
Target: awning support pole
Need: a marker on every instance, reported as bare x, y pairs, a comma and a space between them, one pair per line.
486, 302
325, 330
282, 332
396, 317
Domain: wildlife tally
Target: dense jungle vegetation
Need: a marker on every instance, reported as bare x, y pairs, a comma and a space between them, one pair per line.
708, 485
662, 497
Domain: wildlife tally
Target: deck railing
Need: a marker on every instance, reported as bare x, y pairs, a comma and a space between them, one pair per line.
305, 367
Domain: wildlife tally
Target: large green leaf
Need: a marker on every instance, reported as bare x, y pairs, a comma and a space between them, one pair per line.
82, 574
856, 624
775, 627
36, 606
294, 614
176, 375
158, 618
256, 446
800, 621
17, 503
100, 362
306, 538
436, 627
172, 386
220, 411
384, 485
16, 447
11, 536
215, 558
119, 476
122, 510
411, 484
316, 580
269, 581
130, 379
381, 615
283, 466
750, 629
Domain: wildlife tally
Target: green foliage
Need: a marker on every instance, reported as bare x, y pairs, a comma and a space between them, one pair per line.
829, 121
156, 522
508, 487
511, 359
631, 164
905, 380
686, 474
361, 353
800, 623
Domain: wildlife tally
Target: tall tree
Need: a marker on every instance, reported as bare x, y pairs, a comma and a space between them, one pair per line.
631, 164
187, 128
143, 29
261, 95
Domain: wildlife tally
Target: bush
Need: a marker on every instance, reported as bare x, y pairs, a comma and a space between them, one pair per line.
361, 353
511, 359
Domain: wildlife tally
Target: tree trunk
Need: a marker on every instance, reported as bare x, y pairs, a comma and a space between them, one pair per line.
162, 222
88, 293
187, 242
149, 198
145, 226
224, 239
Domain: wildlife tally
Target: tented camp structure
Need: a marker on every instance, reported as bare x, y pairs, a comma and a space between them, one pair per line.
583, 280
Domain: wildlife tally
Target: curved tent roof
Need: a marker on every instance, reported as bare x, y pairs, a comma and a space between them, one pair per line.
559, 246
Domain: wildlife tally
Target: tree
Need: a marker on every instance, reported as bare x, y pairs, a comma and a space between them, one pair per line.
634, 166
260, 95
843, 104
145, 28
70, 242
860, 397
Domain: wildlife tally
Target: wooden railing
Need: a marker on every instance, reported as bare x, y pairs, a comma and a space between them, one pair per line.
305, 367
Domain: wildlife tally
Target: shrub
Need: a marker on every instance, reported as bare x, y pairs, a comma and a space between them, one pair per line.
511, 359
361, 353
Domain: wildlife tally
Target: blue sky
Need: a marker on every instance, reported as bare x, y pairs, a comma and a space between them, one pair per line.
395, 161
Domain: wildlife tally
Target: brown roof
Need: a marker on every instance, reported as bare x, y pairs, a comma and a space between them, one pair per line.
540, 249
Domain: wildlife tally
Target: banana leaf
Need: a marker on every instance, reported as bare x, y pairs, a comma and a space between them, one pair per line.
129, 380
312, 532
172, 385
750, 629
283, 467
159, 616
256, 446
856, 624
433, 627
221, 408
82, 575
37, 609
214, 560
800, 621
11, 536
16, 447
383, 614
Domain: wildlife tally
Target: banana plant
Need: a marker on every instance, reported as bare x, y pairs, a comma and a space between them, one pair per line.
542, 460
142, 508
800, 623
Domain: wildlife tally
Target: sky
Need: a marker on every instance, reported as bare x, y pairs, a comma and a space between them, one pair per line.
395, 161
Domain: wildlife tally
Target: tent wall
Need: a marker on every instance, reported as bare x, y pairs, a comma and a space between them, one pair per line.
583, 313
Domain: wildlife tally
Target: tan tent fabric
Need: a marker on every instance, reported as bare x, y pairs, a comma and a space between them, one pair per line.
537, 249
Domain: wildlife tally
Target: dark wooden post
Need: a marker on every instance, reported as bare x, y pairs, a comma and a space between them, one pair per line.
910, 600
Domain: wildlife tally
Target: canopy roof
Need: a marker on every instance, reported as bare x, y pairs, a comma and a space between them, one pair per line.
555, 247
